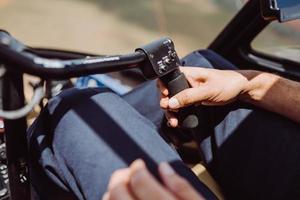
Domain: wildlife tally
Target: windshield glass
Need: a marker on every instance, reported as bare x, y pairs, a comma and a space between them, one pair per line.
116, 26
281, 40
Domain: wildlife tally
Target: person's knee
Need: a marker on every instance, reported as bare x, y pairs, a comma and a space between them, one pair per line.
196, 59
61, 106
207, 59
71, 97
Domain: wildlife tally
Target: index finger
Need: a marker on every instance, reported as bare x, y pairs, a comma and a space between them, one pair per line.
199, 73
161, 86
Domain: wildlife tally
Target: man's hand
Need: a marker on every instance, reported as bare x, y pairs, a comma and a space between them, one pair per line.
137, 183
208, 87
219, 87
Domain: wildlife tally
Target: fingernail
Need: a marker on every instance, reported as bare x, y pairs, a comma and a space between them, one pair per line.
137, 164
138, 170
174, 103
166, 169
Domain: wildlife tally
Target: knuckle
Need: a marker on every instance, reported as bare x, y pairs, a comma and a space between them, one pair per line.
186, 97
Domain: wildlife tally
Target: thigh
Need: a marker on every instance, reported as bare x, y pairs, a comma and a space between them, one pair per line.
85, 135
252, 153
145, 99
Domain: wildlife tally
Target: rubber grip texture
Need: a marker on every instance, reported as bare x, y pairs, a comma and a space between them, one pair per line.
186, 116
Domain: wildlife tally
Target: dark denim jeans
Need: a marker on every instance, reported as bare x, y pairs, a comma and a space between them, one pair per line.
82, 136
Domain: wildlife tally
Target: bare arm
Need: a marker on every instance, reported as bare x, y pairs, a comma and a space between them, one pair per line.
273, 93
220, 87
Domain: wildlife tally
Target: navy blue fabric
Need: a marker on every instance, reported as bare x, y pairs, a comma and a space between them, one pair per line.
252, 153
84, 135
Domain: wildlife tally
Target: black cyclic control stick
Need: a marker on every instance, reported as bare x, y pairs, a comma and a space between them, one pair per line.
162, 62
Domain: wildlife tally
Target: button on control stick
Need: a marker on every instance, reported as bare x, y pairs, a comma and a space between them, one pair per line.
162, 62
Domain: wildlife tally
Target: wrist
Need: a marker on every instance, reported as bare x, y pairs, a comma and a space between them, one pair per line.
257, 85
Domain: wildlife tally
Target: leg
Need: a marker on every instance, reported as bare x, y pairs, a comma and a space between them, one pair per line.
84, 135
252, 153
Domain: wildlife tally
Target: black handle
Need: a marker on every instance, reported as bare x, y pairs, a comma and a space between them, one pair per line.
17, 56
176, 82
162, 62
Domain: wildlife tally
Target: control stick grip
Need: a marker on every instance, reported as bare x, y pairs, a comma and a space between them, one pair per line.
176, 82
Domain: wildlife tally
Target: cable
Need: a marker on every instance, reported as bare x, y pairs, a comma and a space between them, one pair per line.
38, 95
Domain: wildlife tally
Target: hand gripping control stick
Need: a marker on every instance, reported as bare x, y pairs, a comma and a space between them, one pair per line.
162, 62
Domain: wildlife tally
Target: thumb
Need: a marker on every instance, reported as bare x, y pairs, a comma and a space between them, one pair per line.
187, 97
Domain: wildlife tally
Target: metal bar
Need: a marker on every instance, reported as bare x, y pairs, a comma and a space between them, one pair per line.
15, 136
58, 69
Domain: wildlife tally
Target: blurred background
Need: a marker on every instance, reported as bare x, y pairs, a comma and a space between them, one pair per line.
119, 26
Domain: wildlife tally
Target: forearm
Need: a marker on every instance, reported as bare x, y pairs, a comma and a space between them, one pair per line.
273, 93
